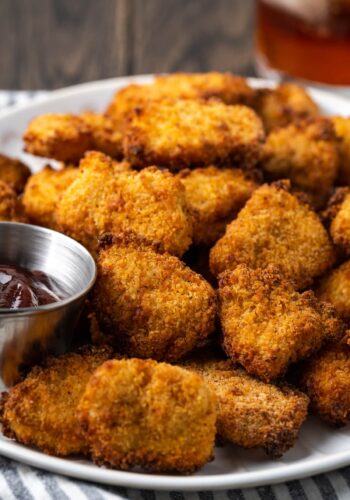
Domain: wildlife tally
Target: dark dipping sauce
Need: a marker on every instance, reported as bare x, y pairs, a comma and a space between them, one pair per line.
21, 288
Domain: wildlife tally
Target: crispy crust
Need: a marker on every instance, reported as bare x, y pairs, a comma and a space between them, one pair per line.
339, 214
275, 228
67, 137
10, 206
251, 413
267, 325
307, 153
335, 288
43, 191
215, 196
109, 197
14, 173
41, 410
149, 304
230, 89
326, 380
63, 137
181, 133
158, 416
284, 104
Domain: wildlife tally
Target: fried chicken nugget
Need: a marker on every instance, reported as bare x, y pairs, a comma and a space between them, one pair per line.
185, 133
41, 410
63, 137
10, 206
251, 413
230, 89
342, 129
109, 197
14, 173
67, 137
149, 304
267, 324
43, 191
215, 196
140, 412
326, 380
335, 288
338, 216
306, 152
275, 228
286, 103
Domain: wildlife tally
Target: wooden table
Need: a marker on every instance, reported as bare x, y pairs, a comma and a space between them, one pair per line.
54, 43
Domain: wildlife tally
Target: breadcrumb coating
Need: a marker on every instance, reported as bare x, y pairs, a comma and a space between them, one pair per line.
43, 191
338, 214
41, 410
286, 103
251, 413
267, 325
149, 304
326, 380
306, 152
66, 137
10, 206
106, 134
14, 173
109, 197
215, 197
335, 288
342, 129
185, 133
275, 228
63, 137
230, 89
142, 413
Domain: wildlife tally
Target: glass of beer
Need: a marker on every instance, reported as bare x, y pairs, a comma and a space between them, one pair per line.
304, 39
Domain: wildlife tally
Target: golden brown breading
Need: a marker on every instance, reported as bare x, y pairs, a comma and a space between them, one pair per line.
338, 215
109, 197
140, 412
63, 137
307, 153
342, 129
67, 137
215, 196
149, 304
230, 89
180, 133
335, 288
251, 413
326, 380
43, 191
267, 324
10, 206
280, 106
14, 173
275, 228
106, 134
41, 410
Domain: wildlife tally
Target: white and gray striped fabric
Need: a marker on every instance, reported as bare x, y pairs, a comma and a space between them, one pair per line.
18, 481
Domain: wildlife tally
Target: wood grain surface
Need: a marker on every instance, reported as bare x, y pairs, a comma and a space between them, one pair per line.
55, 43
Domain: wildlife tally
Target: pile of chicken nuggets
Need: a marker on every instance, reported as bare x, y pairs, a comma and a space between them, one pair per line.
219, 219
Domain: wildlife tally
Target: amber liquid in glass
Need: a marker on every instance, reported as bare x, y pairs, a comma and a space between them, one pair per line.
302, 49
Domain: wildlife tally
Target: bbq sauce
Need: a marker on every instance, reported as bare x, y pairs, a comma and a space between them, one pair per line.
21, 288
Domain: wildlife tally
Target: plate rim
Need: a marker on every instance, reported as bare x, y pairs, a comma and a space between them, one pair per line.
90, 472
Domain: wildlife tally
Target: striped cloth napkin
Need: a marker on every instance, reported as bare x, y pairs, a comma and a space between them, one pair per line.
18, 481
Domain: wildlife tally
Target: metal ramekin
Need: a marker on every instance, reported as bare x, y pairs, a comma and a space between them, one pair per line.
27, 334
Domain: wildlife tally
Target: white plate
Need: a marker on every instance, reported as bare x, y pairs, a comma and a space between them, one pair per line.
319, 448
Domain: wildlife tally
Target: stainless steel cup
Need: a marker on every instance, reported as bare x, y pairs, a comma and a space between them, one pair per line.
26, 335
